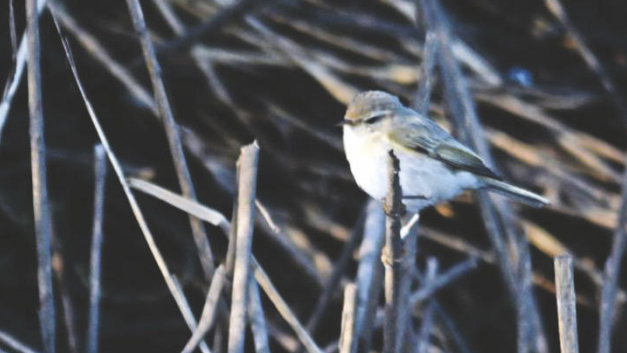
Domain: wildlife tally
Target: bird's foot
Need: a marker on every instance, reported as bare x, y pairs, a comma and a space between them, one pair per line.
388, 260
390, 213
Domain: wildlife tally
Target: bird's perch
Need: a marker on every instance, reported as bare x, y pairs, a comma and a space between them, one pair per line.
392, 255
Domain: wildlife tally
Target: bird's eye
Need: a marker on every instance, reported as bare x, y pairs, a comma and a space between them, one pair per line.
374, 119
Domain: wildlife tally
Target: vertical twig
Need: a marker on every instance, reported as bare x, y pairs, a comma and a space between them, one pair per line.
172, 131
612, 275
257, 319
100, 175
41, 207
348, 342
427, 317
566, 303
392, 258
245, 223
369, 274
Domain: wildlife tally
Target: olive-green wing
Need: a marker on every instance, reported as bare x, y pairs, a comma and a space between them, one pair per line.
426, 136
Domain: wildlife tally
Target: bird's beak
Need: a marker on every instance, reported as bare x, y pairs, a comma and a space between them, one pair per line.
345, 122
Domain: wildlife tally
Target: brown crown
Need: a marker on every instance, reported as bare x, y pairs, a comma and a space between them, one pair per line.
369, 101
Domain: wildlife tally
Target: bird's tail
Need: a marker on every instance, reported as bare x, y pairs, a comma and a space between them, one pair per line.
517, 193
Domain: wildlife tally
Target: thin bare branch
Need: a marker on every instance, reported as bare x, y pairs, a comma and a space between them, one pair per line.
566, 303
208, 316
433, 286
172, 131
247, 175
392, 259
348, 339
257, 318
369, 274
15, 344
41, 206
612, 275
97, 237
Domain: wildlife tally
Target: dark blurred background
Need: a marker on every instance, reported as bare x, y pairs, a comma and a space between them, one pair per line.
552, 126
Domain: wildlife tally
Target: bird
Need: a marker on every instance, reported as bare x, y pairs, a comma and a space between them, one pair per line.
434, 166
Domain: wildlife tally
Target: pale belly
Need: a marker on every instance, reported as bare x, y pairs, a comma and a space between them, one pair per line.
424, 181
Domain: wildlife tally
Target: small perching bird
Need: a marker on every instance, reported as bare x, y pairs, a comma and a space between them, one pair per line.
434, 167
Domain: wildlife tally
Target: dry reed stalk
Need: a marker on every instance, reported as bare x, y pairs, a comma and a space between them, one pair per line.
566, 303
41, 203
172, 131
247, 186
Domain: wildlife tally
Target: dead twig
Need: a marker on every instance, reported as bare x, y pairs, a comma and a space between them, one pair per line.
612, 275
172, 131
566, 303
257, 320
348, 342
100, 176
14, 344
392, 258
208, 316
41, 206
247, 175
369, 274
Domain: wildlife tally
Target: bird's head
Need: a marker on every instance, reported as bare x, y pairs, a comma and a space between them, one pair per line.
372, 111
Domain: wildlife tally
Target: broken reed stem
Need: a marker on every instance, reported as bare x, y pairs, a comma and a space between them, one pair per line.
209, 311
566, 303
41, 206
247, 187
348, 341
612, 275
392, 257
181, 301
172, 131
100, 175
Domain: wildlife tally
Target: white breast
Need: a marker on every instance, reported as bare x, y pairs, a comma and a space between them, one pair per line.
424, 180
